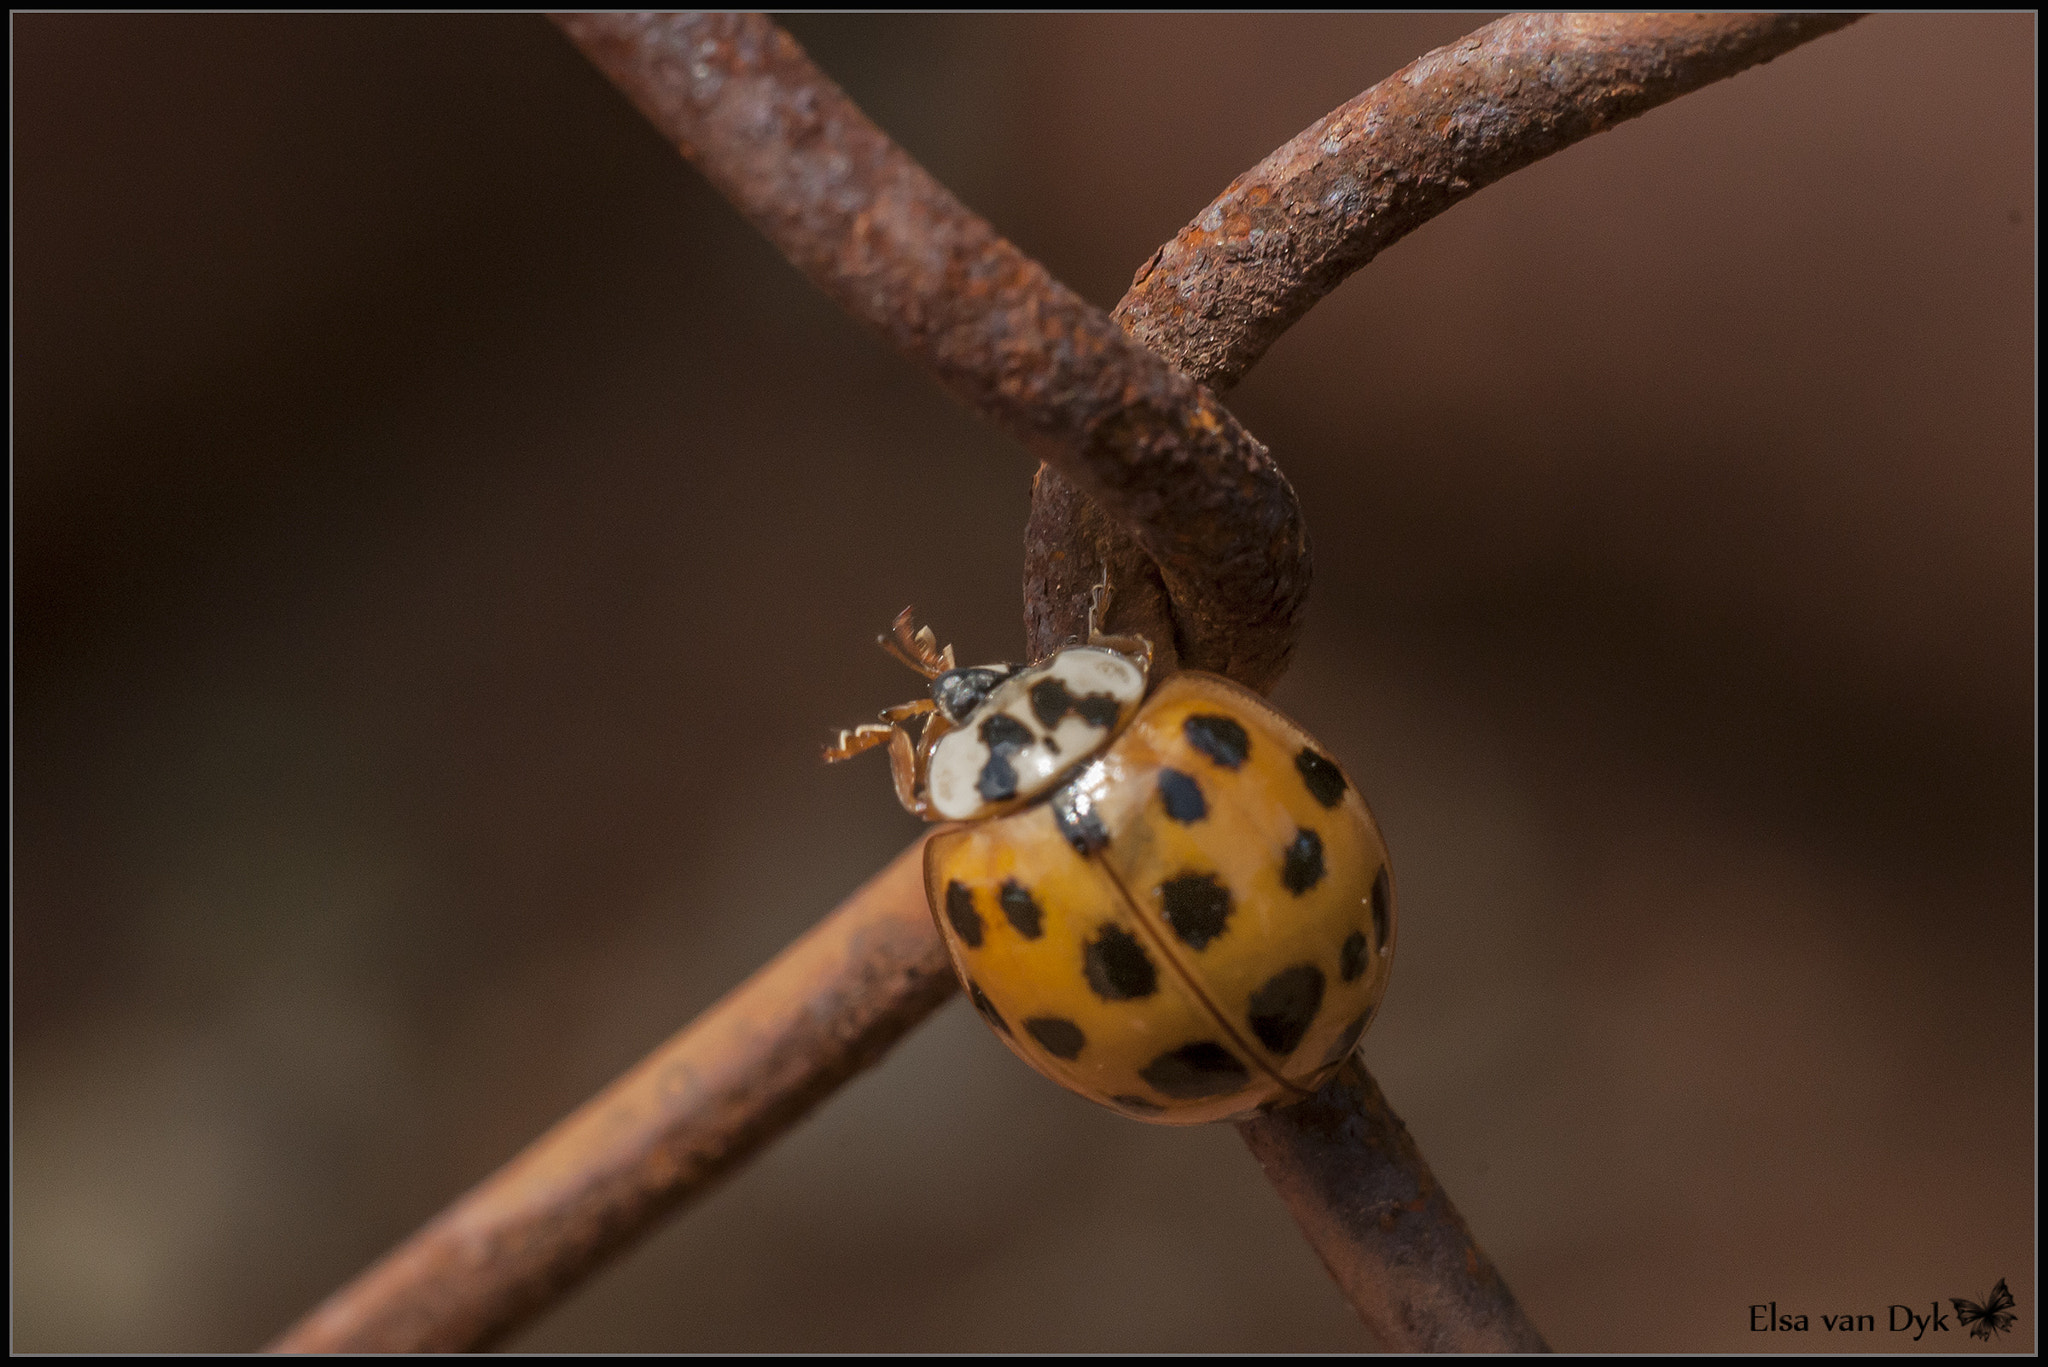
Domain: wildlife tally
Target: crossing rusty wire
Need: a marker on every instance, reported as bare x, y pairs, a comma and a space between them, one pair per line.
1145, 474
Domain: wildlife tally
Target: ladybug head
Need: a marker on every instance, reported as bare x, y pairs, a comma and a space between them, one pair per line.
958, 692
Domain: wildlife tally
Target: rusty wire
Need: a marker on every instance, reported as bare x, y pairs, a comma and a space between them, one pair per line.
1370, 172
1167, 467
1354, 182
897, 250
1385, 1227
695, 1109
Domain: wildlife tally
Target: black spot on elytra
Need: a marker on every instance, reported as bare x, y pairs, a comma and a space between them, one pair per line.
1324, 779
1283, 1009
1117, 966
1023, 912
960, 912
1061, 1037
1004, 736
986, 1007
1218, 737
1382, 900
1351, 958
1050, 701
1303, 868
1347, 1041
1193, 1071
1074, 813
1197, 906
1183, 796
1137, 1103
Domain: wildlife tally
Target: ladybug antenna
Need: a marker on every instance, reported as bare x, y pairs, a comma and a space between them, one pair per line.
918, 649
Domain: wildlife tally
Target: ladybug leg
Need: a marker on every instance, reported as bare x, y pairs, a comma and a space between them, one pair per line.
935, 726
858, 741
904, 711
905, 765
911, 767
908, 772
1098, 612
861, 739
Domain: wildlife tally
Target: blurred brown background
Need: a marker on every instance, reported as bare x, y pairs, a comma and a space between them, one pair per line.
444, 534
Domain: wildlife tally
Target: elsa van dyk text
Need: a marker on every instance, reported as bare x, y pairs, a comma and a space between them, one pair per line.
1899, 1319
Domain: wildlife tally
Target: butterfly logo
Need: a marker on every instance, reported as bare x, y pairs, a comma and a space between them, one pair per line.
1995, 1316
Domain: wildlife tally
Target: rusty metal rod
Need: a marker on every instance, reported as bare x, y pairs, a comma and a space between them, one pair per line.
1357, 180
872, 229
1384, 1226
691, 1112
1370, 172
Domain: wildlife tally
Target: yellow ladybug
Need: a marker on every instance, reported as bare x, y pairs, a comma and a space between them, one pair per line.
1175, 905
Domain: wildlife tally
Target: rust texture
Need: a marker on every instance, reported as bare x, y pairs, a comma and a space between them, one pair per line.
694, 1110
1359, 179
1370, 172
1145, 474
1386, 1229
1155, 450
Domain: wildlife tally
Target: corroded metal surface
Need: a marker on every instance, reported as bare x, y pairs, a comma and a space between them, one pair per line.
1356, 181
1202, 497
694, 1110
1370, 172
1349, 1170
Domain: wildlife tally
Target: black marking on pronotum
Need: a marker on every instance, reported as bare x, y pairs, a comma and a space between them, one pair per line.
1183, 796
1004, 736
1050, 701
1073, 811
959, 691
1193, 1071
1284, 1008
960, 912
1382, 901
1097, 709
1303, 868
986, 1007
1351, 958
1324, 779
1060, 1036
1023, 912
1348, 1040
1117, 966
1218, 737
1197, 906
1137, 1103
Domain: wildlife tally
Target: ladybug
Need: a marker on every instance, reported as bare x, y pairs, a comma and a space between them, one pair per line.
1165, 897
